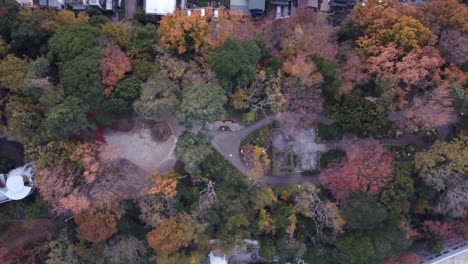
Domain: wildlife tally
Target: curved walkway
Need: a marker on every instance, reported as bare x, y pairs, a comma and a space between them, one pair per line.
227, 143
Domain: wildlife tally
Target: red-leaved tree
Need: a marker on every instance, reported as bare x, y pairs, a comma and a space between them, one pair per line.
367, 168
113, 66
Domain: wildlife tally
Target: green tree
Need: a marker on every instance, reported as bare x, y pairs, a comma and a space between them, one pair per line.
68, 118
28, 39
127, 90
363, 212
81, 78
62, 250
396, 195
9, 10
234, 63
23, 118
355, 248
13, 71
360, 116
72, 41
201, 103
192, 150
158, 97
331, 76
4, 48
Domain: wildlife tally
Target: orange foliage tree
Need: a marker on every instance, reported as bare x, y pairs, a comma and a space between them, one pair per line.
174, 234
367, 168
87, 154
113, 67
98, 224
440, 15
182, 32
165, 184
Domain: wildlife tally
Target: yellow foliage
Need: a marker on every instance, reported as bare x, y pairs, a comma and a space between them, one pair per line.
165, 184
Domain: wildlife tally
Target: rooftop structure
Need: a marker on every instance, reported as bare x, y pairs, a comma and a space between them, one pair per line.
17, 184
159, 7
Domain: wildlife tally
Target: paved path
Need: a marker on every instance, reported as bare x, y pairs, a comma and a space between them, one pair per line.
227, 143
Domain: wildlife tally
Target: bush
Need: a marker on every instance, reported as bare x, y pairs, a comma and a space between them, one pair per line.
331, 157
329, 132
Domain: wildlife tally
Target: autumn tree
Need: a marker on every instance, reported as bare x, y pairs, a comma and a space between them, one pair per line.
443, 15
125, 249
158, 97
68, 118
353, 71
433, 109
176, 233
409, 33
192, 149
98, 224
454, 201
234, 63
62, 249
154, 210
367, 168
113, 65
68, 18
256, 159
453, 46
201, 103
183, 32
165, 184
119, 32
310, 205
303, 68
445, 164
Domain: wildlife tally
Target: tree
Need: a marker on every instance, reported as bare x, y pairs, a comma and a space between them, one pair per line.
208, 197
119, 32
449, 14
301, 67
23, 118
13, 71
201, 103
360, 116
353, 71
433, 109
67, 18
62, 250
397, 194
234, 63
183, 32
158, 97
355, 248
122, 249
80, 77
154, 210
256, 159
98, 224
409, 33
165, 184
4, 47
57, 181
367, 168
266, 224
310, 205
9, 10
301, 99
114, 64
363, 212
192, 149
444, 165
68, 118
452, 46
454, 201
70, 42
174, 234
127, 90
28, 39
